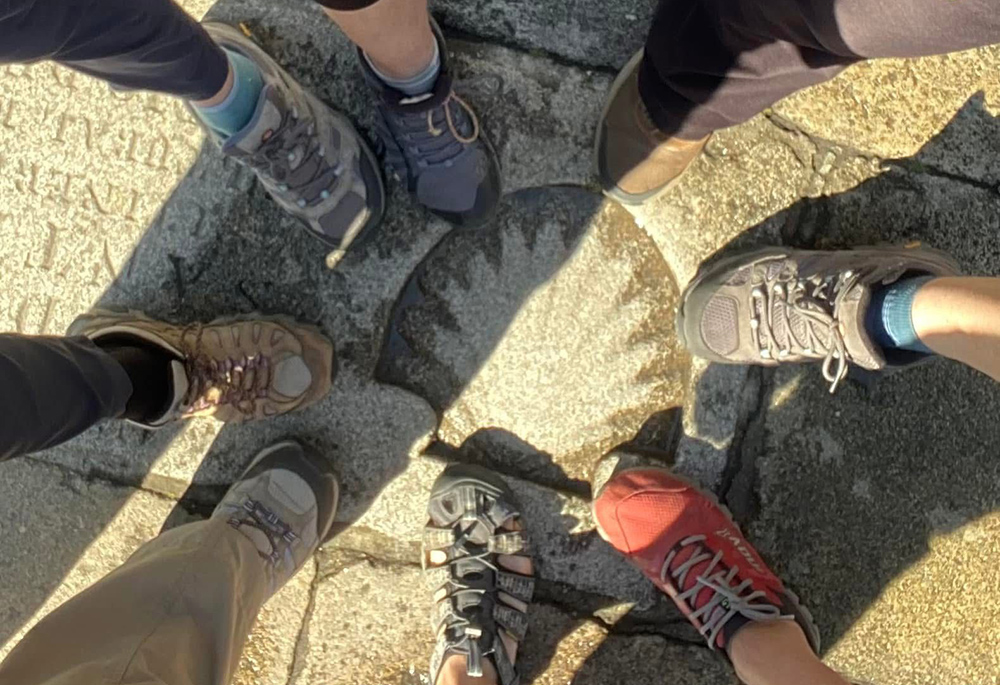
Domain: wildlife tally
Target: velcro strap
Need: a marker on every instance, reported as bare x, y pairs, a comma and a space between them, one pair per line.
505, 670
517, 586
512, 620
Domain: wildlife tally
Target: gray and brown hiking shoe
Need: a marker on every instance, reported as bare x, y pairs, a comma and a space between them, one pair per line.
777, 305
310, 159
636, 162
284, 503
233, 369
435, 145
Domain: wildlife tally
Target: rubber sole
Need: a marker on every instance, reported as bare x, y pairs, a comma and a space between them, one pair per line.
807, 618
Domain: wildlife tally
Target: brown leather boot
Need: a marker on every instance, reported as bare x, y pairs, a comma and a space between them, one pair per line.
636, 162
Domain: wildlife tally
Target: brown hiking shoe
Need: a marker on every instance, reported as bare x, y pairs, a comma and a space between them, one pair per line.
636, 162
235, 369
777, 305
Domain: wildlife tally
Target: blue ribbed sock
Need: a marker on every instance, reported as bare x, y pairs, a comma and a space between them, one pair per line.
889, 320
235, 112
418, 84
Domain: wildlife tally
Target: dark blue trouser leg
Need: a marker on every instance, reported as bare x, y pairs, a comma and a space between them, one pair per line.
52, 389
137, 44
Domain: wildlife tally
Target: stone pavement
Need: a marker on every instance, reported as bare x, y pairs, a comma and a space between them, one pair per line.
532, 347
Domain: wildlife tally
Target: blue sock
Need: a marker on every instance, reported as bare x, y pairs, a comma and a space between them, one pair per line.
232, 114
889, 320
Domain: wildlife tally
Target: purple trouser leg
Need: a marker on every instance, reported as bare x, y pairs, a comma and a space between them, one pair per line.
136, 44
711, 64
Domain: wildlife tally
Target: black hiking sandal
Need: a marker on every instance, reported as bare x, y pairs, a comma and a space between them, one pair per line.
473, 526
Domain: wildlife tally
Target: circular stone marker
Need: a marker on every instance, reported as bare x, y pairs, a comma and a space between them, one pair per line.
549, 333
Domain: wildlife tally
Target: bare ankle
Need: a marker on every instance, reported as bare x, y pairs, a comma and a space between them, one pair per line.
453, 672
778, 653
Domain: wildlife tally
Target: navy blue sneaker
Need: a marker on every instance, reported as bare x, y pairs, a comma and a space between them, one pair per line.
434, 143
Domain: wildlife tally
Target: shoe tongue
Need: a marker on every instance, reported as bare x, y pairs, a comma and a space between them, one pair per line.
265, 121
861, 349
179, 385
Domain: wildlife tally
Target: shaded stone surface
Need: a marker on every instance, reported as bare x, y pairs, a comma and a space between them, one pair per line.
601, 34
555, 326
893, 510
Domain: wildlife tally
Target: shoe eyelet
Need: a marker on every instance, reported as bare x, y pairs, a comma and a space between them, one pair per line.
325, 194
283, 188
301, 203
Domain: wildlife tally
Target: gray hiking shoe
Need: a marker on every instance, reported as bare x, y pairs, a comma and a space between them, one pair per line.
284, 503
777, 305
309, 158
233, 369
435, 145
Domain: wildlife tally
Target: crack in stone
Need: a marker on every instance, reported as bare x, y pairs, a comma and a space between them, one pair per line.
95, 475
907, 165
739, 475
300, 651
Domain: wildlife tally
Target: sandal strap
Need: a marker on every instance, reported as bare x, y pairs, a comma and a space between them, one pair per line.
506, 674
517, 586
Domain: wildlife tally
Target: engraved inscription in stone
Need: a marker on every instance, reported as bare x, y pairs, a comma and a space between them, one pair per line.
84, 172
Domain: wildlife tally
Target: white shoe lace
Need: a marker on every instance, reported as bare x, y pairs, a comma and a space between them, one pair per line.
726, 602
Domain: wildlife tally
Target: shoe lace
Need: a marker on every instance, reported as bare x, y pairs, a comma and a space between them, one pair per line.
728, 599
279, 534
311, 180
214, 382
815, 302
426, 138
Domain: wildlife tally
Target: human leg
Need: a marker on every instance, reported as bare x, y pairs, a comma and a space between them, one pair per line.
152, 373
152, 45
959, 318
179, 610
711, 64
476, 559
54, 389
432, 137
690, 548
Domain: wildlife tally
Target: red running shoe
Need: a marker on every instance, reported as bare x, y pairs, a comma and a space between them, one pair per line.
690, 547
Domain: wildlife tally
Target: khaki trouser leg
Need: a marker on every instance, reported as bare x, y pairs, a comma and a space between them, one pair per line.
176, 613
